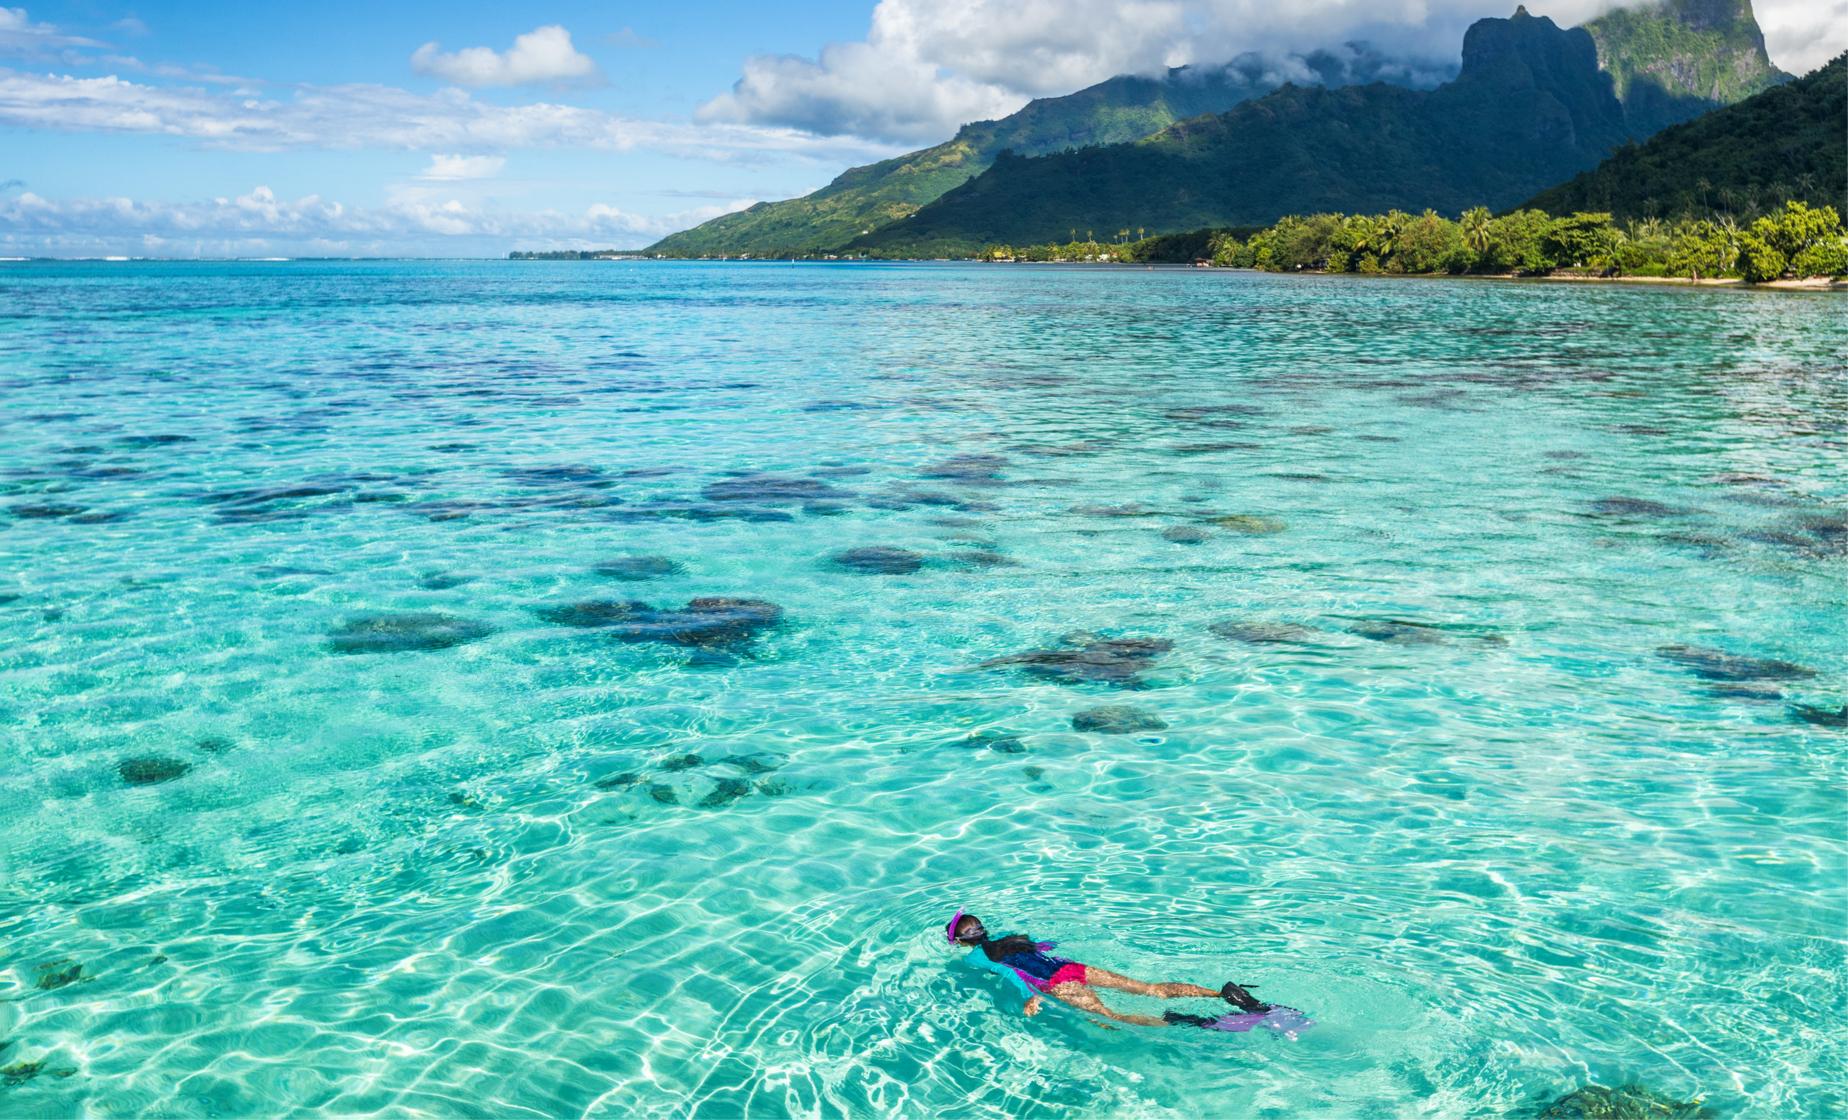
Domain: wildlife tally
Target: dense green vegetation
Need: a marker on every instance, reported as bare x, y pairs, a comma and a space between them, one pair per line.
1794, 242
863, 199
1672, 60
1787, 142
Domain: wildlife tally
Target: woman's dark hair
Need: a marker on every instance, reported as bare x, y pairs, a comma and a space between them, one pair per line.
995, 950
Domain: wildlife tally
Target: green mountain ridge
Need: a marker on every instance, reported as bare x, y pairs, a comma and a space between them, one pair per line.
1784, 143
1672, 60
865, 198
1532, 104
1666, 62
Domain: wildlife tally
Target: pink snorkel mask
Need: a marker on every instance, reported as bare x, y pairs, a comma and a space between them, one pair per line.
949, 931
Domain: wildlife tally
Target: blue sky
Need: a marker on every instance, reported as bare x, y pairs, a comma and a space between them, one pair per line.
206, 128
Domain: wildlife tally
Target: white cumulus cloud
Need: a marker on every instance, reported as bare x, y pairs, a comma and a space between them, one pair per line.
451, 168
544, 54
19, 35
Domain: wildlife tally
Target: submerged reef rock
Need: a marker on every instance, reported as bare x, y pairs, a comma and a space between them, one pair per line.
771, 488
968, 468
404, 631
634, 569
1627, 1102
1185, 534
703, 790
44, 512
715, 622
1718, 665
57, 974
1117, 719
21, 1072
151, 769
1822, 717
724, 792
1128, 509
1248, 523
980, 559
1000, 742
878, 560
755, 764
444, 581
1634, 507
1084, 659
1262, 633
1397, 632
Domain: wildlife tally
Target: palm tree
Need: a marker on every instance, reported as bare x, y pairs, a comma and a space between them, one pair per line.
1729, 240
1475, 224
1386, 233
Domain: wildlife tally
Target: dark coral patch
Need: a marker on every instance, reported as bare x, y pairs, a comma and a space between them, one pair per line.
1634, 507
1718, 665
1128, 509
151, 769
634, 569
968, 468
1001, 742
1397, 632
1117, 719
44, 512
1626, 1102
405, 631
57, 974
1251, 523
715, 622
1262, 633
980, 558
771, 488
724, 792
1836, 718
879, 560
1083, 659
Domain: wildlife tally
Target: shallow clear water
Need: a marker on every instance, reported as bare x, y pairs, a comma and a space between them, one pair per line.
1496, 855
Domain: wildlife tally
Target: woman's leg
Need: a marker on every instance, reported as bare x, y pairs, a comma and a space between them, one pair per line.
1105, 979
1084, 999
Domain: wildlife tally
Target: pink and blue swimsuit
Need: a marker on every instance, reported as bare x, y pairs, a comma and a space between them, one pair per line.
1032, 971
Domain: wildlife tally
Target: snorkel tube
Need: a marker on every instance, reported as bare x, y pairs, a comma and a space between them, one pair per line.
949, 931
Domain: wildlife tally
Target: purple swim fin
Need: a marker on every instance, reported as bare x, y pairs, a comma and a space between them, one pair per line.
1283, 1020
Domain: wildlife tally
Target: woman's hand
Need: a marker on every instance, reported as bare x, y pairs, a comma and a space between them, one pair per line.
1033, 1006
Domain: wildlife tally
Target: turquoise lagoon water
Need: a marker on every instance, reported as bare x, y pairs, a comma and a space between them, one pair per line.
1462, 805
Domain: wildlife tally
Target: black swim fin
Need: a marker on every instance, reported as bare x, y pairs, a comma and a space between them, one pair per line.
1238, 997
1182, 1019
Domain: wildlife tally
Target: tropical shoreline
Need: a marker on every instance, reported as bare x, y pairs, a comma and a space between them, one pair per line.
1810, 284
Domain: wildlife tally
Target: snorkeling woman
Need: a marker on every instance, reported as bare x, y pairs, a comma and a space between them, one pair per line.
1027, 964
